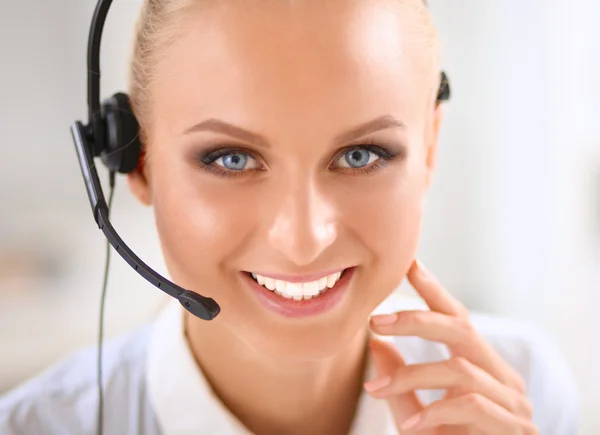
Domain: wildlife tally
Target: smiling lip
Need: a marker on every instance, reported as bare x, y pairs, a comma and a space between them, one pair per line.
301, 278
302, 308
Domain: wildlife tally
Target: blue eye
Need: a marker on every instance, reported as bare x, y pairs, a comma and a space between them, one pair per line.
357, 158
234, 161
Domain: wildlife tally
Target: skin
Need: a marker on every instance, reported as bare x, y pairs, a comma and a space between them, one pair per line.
296, 207
484, 393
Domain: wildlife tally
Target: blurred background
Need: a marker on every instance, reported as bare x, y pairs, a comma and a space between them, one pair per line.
513, 218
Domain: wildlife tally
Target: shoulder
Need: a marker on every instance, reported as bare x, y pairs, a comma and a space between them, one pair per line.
527, 348
63, 399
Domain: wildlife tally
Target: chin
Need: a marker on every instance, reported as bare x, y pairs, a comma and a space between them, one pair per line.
302, 340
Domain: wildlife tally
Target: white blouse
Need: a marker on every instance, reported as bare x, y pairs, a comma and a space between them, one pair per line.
154, 387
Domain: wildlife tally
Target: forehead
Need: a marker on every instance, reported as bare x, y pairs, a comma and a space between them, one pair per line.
283, 64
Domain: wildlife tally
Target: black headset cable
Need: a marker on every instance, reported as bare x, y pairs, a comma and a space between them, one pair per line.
100, 429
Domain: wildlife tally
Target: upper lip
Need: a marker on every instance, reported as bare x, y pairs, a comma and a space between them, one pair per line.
306, 277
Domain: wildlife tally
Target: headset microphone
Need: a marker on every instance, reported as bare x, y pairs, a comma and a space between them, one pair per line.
113, 135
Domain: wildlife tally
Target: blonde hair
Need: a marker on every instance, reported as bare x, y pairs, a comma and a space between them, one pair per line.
157, 27
155, 31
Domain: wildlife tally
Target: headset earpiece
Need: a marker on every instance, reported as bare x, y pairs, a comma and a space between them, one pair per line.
123, 147
444, 90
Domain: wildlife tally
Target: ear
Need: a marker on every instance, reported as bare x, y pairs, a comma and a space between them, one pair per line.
432, 143
139, 184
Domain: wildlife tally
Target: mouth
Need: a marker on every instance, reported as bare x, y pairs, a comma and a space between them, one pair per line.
298, 290
300, 299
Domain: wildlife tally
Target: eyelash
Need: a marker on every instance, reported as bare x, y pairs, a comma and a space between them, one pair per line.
207, 159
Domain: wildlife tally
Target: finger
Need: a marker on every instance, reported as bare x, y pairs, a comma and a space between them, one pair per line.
429, 325
470, 410
459, 376
458, 333
387, 359
433, 293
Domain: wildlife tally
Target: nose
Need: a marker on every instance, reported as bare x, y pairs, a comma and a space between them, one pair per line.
303, 225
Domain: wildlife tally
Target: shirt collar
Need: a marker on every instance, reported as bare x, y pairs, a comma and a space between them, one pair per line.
185, 404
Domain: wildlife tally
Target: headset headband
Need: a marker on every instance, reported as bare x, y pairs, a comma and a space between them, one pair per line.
93, 60
93, 70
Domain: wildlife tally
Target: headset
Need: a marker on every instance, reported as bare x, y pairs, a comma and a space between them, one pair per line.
112, 133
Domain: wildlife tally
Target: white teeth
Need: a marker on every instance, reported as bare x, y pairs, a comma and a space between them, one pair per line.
297, 290
270, 283
285, 295
311, 288
280, 285
332, 279
293, 288
322, 283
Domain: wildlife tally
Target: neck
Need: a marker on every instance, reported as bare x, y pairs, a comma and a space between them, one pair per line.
292, 398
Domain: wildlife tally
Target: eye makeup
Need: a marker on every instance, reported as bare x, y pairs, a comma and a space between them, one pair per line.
213, 159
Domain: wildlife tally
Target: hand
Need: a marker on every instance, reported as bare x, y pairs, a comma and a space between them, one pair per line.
484, 394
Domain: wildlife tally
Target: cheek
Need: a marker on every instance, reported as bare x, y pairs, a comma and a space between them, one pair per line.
388, 224
395, 228
397, 239
198, 229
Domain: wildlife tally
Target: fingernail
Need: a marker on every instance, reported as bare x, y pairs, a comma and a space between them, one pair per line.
422, 268
377, 384
384, 319
411, 422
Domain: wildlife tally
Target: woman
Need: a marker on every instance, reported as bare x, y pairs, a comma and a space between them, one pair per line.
288, 150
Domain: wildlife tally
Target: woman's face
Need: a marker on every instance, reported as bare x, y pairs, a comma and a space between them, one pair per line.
312, 79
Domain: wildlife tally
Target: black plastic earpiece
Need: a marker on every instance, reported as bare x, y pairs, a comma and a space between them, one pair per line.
122, 145
444, 90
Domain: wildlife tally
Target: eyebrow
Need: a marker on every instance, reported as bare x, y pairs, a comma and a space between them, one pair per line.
220, 126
